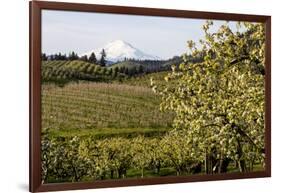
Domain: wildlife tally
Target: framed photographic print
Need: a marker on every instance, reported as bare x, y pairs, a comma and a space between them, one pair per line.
123, 96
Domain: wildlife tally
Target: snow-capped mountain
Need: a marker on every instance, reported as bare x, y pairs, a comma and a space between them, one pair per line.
118, 50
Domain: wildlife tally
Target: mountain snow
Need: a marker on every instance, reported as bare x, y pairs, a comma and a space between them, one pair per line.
118, 50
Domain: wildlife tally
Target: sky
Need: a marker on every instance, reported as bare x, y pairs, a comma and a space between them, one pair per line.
165, 37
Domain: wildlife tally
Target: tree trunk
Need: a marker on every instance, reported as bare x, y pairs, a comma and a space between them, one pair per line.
242, 166
241, 163
225, 164
206, 163
119, 173
178, 172
158, 168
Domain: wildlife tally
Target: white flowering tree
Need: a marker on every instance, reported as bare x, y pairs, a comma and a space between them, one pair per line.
219, 103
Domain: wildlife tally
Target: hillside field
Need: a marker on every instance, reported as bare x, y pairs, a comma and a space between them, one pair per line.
65, 71
103, 109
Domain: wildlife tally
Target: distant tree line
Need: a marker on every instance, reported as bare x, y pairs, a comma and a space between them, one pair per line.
139, 67
74, 56
133, 71
151, 66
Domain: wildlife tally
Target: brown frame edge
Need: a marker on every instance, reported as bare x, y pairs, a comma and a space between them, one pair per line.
35, 8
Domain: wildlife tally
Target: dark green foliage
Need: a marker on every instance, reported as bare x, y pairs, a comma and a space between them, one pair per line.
92, 58
133, 67
103, 58
43, 57
84, 58
73, 56
141, 69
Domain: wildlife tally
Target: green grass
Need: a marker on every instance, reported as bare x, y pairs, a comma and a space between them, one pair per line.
108, 132
145, 79
135, 173
166, 171
169, 171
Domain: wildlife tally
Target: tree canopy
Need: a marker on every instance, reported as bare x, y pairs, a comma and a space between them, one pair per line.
219, 102
103, 58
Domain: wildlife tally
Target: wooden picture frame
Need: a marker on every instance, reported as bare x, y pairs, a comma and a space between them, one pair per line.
35, 93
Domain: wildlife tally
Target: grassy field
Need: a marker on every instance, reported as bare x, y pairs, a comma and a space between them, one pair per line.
145, 80
102, 109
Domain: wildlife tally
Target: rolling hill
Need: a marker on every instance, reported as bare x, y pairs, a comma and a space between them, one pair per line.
65, 70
